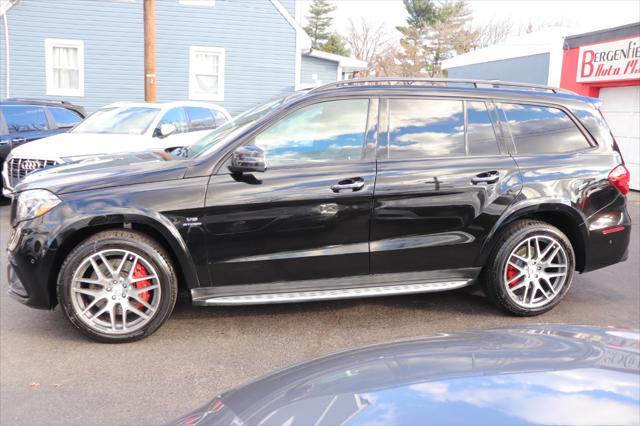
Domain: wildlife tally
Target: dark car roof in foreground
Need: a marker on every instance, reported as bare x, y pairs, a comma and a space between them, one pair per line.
546, 374
43, 102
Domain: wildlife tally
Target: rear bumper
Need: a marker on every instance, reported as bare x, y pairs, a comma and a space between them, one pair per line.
609, 245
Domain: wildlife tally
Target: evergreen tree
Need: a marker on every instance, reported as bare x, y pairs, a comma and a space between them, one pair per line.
434, 32
319, 22
335, 44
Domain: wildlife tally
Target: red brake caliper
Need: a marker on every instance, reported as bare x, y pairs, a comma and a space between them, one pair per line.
138, 272
511, 273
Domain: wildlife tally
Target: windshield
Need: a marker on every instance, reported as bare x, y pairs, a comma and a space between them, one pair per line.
234, 127
127, 120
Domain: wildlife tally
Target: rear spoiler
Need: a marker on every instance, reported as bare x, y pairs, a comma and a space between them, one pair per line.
597, 102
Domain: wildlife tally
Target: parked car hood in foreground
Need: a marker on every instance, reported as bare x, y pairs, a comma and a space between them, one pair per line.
548, 374
73, 144
106, 171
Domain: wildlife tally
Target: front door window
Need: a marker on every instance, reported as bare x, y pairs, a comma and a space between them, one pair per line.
323, 132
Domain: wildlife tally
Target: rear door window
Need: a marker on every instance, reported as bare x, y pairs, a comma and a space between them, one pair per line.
21, 119
481, 136
424, 128
175, 116
219, 117
542, 130
200, 119
64, 117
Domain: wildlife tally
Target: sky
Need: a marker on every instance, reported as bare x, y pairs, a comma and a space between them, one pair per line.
584, 15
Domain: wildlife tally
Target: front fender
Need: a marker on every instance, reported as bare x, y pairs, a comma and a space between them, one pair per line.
162, 228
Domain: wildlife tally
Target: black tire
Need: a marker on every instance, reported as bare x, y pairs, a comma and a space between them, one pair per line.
133, 242
493, 276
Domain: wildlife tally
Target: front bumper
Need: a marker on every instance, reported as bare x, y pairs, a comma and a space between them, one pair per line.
26, 271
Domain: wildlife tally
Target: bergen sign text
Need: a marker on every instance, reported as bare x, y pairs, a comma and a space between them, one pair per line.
614, 60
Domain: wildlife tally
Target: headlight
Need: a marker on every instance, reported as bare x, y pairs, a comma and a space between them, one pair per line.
34, 203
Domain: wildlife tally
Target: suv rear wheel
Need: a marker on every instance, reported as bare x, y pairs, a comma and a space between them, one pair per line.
117, 286
531, 268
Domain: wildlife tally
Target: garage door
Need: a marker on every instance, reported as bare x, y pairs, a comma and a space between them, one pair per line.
621, 108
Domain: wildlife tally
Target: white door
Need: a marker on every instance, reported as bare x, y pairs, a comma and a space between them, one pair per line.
621, 108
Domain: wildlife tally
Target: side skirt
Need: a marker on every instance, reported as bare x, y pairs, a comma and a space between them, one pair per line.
341, 288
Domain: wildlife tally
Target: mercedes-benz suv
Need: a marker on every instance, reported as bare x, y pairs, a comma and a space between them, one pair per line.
354, 189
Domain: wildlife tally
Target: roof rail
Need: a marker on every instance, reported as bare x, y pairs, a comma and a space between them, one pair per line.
419, 81
38, 100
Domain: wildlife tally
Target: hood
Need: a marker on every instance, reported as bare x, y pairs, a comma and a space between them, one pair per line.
547, 374
78, 144
106, 171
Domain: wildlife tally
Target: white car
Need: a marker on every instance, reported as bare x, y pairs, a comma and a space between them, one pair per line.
117, 128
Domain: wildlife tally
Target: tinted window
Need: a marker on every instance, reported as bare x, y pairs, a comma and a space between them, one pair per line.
481, 137
219, 117
328, 131
25, 118
423, 128
539, 129
64, 117
175, 116
201, 119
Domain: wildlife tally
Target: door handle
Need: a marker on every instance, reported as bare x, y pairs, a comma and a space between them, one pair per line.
354, 184
18, 140
486, 177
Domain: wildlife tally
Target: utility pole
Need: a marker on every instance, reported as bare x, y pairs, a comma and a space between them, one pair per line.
149, 50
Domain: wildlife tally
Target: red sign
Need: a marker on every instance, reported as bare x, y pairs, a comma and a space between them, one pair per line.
610, 61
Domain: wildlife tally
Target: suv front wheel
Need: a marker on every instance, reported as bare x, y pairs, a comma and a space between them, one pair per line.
531, 268
117, 286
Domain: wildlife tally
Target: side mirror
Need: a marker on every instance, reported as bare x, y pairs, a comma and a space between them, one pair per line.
167, 129
247, 159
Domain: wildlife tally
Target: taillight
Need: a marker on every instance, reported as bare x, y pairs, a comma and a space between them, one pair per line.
620, 177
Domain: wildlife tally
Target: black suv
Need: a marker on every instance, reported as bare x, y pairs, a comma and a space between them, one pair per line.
25, 120
354, 189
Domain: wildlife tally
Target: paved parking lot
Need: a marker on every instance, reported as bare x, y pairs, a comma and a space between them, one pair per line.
50, 374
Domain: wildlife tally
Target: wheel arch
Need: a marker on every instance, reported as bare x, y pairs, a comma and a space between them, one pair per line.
164, 233
562, 215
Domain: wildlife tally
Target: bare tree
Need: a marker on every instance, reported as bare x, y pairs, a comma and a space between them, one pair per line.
493, 32
539, 26
368, 42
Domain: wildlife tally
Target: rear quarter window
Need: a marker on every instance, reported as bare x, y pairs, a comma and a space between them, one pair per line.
64, 117
542, 130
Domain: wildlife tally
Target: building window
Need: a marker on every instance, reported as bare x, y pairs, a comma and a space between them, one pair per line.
64, 61
207, 3
206, 73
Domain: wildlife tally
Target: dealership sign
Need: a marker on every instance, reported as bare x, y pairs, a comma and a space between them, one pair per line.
611, 61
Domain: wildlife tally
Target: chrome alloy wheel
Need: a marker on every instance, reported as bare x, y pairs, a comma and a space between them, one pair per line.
536, 271
115, 291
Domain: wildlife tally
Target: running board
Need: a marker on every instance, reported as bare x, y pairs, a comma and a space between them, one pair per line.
342, 293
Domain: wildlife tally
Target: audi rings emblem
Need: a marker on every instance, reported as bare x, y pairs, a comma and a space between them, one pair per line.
30, 165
